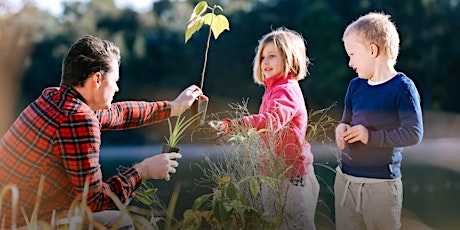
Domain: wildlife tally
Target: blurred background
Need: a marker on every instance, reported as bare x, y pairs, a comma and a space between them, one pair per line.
157, 65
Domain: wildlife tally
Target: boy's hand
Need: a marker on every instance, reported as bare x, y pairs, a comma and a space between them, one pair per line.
340, 134
357, 133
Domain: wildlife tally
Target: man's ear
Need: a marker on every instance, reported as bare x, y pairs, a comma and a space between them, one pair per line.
95, 79
374, 49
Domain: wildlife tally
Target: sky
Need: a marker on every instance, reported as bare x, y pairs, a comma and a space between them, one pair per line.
55, 6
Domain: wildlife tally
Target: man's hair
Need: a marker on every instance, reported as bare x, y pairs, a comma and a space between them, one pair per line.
86, 56
376, 28
293, 48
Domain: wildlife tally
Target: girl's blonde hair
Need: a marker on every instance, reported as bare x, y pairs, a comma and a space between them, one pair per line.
376, 28
293, 48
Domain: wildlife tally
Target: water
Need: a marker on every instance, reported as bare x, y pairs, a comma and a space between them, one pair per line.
431, 178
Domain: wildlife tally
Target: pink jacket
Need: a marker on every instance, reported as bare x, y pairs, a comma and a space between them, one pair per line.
283, 111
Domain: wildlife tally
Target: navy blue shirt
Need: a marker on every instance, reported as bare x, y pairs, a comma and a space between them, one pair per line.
392, 114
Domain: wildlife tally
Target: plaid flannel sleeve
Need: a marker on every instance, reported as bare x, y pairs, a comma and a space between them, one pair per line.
79, 142
132, 114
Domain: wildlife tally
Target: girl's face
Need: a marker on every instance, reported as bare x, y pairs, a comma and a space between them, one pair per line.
271, 60
361, 56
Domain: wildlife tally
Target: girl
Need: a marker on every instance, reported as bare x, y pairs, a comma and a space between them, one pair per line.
280, 62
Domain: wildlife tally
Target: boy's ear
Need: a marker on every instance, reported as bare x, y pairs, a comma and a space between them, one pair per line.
374, 49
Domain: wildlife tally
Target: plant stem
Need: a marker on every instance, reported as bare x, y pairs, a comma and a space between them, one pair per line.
206, 52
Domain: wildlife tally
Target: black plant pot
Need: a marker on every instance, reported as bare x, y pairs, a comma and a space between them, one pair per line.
199, 107
168, 149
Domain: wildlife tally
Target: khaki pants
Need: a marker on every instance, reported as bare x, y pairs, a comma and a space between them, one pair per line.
364, 203
299, 202
109, 217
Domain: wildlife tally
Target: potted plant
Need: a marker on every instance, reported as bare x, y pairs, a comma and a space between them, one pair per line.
217, 24
176, 132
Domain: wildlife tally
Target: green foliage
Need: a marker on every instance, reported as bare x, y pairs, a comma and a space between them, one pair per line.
217, 22
177, 130
228, 208
236, 201
320, 123
217, 25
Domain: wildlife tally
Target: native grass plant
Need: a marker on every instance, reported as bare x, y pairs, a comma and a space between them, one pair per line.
156, 214
238, 184
14, 204
241, 178
177, 130
320, 123
78, 217
320, 126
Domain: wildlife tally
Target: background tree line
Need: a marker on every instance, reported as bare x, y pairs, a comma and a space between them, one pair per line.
156, 64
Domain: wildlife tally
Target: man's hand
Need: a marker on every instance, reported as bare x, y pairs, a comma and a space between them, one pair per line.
159, 166
185, 100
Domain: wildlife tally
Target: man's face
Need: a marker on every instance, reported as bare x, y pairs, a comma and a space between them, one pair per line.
108, 87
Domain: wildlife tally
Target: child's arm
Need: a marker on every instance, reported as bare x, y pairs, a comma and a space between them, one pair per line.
280, 109
410, 130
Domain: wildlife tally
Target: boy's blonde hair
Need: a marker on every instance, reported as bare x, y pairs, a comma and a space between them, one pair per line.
293, 48
376, 28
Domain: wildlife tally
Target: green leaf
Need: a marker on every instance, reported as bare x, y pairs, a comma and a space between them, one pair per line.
254, 187
208, 18
218, 23
144, 199
176, 132
193, 27
219, 211
200, 200
192, 220
199, 9
271, 182
150, 191
232, 191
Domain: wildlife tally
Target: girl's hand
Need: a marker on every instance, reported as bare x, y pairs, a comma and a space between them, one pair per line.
220, 126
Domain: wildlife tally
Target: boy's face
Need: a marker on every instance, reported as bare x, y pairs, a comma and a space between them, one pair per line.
361, 56
271, 60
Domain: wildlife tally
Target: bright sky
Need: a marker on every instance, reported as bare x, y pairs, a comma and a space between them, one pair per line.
55, 6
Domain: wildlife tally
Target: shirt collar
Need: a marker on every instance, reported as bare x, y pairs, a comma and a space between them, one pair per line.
275, 80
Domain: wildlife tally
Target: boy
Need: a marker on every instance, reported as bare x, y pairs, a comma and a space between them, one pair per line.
382, 114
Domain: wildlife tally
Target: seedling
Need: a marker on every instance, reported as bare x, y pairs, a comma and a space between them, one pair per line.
218, 23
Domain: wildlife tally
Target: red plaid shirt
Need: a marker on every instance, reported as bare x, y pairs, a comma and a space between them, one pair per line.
58, 136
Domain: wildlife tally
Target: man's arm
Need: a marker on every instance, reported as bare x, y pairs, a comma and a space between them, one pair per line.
78, 142
133, 114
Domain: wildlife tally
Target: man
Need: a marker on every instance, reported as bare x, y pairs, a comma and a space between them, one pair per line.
58, 136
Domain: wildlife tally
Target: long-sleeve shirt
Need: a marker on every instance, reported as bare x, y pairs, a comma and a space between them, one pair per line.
392, 114
283, 113
58, 137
